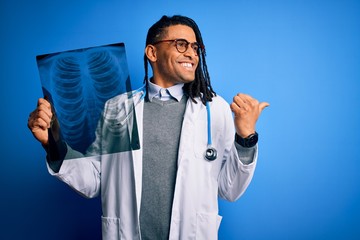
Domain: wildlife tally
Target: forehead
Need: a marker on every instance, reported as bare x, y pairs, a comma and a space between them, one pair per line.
181, 31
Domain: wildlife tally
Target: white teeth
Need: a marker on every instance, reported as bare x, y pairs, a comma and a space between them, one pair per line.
187, 65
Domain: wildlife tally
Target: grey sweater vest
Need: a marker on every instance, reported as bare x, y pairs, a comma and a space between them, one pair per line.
162, 127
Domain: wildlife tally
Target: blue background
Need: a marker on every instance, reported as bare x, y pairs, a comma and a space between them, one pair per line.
301, 56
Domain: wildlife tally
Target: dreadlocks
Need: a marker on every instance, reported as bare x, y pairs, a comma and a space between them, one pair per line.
201, 86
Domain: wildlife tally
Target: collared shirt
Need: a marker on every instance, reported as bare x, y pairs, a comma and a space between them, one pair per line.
164, 94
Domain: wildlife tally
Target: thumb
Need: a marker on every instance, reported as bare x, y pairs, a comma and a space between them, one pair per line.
263, 105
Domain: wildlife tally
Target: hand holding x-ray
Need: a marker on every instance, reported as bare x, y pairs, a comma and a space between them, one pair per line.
40, 121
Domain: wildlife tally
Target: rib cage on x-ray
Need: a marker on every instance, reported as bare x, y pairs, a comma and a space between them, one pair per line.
80, 84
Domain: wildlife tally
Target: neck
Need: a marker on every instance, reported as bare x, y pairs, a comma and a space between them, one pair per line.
162, 83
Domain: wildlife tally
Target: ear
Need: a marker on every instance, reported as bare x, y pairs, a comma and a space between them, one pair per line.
150, 52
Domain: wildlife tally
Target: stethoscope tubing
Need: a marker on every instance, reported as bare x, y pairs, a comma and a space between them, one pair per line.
210, 153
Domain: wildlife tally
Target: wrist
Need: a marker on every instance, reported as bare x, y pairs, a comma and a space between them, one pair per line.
248, 141
245, 134
245, 131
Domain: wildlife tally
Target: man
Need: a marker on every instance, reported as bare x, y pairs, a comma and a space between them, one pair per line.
166, 189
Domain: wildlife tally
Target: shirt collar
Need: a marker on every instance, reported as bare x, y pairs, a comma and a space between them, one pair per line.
164, 94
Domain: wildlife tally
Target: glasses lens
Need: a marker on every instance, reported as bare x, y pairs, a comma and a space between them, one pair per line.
181, 45
195, 47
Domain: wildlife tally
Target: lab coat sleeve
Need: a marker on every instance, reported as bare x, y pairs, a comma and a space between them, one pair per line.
238, 164
81, 172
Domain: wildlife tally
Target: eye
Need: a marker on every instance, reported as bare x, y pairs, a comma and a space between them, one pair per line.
181, 43
195, 46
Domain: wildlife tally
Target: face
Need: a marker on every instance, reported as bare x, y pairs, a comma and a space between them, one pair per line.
169, 66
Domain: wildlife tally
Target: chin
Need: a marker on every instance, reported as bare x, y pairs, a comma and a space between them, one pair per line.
188, 80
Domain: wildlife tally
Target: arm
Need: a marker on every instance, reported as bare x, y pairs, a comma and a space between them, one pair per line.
239, 161
235, 175
79, 172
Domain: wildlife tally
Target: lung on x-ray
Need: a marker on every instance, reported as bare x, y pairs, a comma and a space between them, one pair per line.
78, 83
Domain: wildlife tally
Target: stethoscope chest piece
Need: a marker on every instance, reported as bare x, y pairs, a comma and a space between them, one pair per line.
210, 154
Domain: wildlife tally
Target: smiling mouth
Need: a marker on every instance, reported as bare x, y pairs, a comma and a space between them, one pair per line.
187, 65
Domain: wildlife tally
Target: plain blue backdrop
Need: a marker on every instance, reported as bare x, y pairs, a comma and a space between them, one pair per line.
301, 56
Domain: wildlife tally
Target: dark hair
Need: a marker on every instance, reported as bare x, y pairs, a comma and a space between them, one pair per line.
201, 86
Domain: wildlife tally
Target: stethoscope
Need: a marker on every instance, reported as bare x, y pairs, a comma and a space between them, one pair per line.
210, 152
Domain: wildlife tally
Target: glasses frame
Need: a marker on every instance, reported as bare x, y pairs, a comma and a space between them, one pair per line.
200, 47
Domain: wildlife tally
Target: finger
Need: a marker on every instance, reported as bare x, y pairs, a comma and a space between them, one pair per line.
40, 123
234, 107
263, 105
250, 100
246, 97
42, 101
45, 109
44, 116
36, 123
239, 100
238, 111
243, 97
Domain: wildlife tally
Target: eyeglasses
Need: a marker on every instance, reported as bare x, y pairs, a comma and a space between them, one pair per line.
182, 45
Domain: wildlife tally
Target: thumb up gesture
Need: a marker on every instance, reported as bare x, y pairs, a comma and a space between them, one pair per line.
246, 113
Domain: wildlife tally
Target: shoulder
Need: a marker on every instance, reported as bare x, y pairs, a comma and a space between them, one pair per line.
218, 105
220, 110
121, 103
121, 98
219, 102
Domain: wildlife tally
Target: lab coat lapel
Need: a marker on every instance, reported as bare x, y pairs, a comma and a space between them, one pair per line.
137, 103
191, 113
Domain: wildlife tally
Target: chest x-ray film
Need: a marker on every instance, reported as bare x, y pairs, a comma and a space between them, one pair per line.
78, 83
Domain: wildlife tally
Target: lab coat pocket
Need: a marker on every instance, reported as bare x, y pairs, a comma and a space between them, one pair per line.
207, 225
110, 228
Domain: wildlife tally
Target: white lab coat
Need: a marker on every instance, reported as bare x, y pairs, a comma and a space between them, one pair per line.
118, 176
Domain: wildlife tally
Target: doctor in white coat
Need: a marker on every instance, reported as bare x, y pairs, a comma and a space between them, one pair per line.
175, 51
